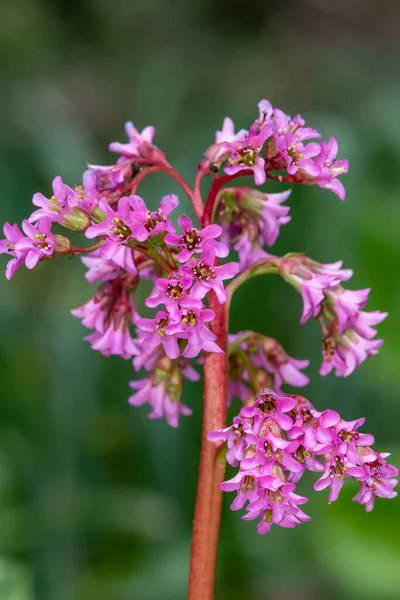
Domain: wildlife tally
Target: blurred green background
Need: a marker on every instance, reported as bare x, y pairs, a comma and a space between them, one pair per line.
96, 502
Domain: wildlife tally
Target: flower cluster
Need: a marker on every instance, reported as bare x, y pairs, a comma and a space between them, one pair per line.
275, 143
347, 330
277, 438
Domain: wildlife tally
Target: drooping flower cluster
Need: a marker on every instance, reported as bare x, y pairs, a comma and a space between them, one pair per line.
277, 438
347, 330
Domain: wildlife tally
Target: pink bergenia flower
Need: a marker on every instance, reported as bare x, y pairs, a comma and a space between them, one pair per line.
54, 207
330, 168
380, 481
346, 352
283, 367
284, 125
192, 241
337, 468
151, 223
208, 276
85, 197
279, 507
109, 312
162, 330
162, 389
246, 154
140, 145
38, 243
118, 227
246, 484
7, 246
199, 337
192, 326
288, 149
174, 293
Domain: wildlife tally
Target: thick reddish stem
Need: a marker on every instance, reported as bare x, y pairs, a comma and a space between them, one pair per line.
208, 501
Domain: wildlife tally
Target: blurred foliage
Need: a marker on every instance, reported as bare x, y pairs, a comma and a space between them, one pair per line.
96, 502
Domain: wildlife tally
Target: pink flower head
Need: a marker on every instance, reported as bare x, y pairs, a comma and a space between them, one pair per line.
37, 244
7, 246
246, 154
379, 482
208, 276
346, 352
55, 207
284, 125
118, 226
330, 168
85, 196
150, 223
140, 145
247, 485
200, 338
192, 240
173, 292
162, 330
279, 507
271, 405
337, 468
277, 438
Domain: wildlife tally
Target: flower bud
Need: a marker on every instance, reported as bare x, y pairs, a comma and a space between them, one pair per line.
62, 244
78, 221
